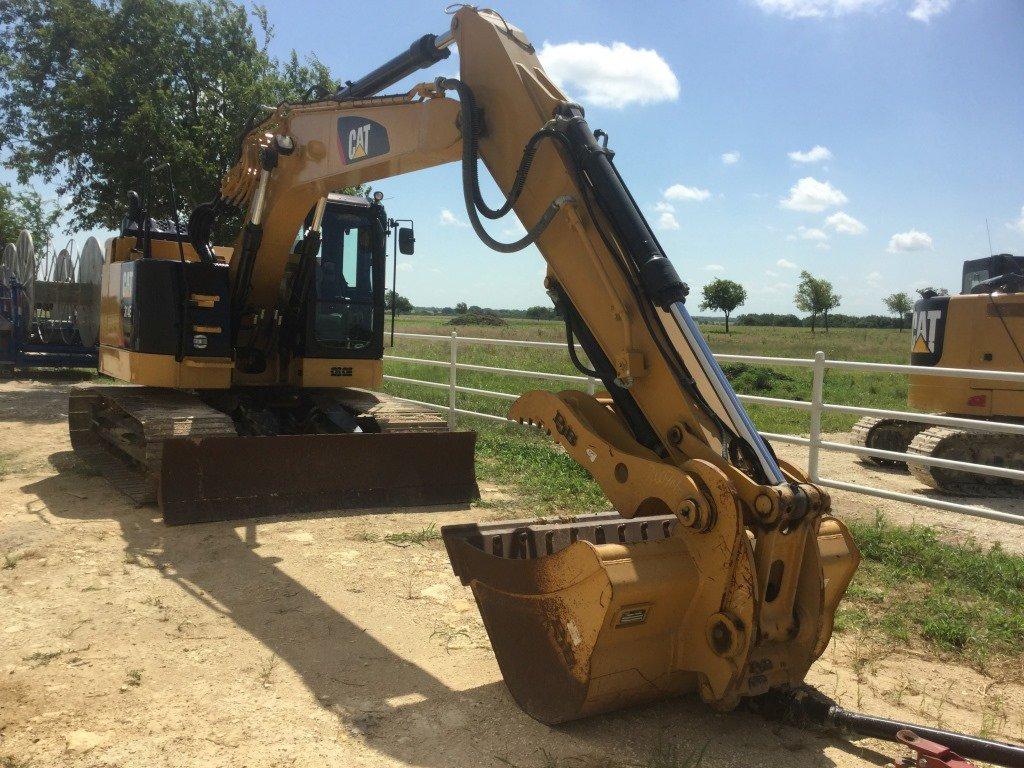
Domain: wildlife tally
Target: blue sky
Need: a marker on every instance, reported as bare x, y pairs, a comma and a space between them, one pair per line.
715, 108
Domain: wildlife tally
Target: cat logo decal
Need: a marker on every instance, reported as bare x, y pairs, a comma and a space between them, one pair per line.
360, 139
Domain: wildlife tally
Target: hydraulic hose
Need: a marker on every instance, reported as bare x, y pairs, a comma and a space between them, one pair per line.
808, 705
471, 180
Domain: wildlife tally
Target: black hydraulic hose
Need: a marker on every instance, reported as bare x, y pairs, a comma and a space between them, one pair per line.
809, 705
997, 752
570, 341
471, 181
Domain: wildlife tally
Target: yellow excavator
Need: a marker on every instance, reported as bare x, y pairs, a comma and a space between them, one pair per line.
721, 568
980, 329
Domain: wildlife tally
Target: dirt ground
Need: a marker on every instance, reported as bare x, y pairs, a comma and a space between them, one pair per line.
299, 642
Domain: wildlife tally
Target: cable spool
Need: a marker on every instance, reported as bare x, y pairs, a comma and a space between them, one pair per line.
87, 311
7, 262
25, 259
64, 303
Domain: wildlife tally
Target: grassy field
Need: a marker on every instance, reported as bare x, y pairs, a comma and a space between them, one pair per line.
875, 345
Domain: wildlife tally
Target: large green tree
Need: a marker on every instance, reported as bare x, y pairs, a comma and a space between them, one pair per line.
816, 296
401, 304
723, 296
96, 93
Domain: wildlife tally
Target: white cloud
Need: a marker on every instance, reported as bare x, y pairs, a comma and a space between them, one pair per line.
610, 76
815, 9
405, 266
845, 224
714, 268
786, 264
731, 158
449, 219
910, 241
770, 273
873, 278
667, 221
1019, 223
809, 194
662, 207
680, 192
812, 233
924, 10
772, 288
815, 154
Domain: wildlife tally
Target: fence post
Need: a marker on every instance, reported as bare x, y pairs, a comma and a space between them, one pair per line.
817, 384
451, 380
591, 385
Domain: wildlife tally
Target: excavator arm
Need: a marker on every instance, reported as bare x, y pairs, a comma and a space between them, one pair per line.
722, 569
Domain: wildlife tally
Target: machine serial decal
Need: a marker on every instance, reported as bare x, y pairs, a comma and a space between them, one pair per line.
360, 139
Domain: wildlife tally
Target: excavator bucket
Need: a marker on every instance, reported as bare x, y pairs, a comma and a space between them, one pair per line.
595, 613
581, 614
223, 478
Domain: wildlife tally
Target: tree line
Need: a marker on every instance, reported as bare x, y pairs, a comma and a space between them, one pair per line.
814, 296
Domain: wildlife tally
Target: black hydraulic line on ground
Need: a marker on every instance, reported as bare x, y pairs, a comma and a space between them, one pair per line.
808, 706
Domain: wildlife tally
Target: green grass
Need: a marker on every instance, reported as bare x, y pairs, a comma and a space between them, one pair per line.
875, 345
546, 480
402, 538
960, 599
405, 538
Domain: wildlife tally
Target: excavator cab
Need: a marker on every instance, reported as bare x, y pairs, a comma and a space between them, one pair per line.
344, 316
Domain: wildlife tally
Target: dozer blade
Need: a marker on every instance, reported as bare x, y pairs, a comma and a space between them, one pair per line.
581, 614
225, 478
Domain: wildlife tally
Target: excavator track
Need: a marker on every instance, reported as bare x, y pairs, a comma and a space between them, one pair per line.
976, 447
169, 447
887, 435
121, 431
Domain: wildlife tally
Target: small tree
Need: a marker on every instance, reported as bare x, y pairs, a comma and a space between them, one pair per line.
816, 296
898, 304
401, 304
461, 308
26, 210
723, 296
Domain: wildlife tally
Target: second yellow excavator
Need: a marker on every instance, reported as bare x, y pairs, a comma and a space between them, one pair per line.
980, 329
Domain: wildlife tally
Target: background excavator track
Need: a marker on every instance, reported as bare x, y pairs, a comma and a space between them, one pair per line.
976, 447
886, 435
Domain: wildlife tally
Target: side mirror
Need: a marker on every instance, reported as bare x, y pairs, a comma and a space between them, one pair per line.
406, 241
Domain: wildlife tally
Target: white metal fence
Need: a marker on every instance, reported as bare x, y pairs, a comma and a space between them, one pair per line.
815, 407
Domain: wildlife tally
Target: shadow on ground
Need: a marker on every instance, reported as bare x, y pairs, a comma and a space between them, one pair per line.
228, 573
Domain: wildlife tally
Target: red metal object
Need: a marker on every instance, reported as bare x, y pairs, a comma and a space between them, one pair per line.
930, 754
